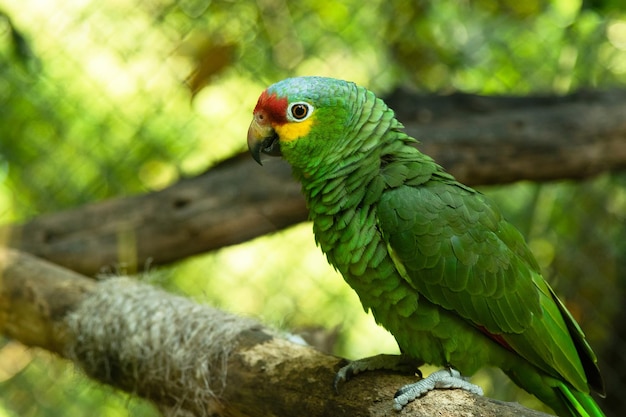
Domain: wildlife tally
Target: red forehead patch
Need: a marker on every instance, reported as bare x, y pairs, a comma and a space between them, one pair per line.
275, 108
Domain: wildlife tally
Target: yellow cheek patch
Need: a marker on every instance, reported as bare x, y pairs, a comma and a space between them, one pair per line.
291, 131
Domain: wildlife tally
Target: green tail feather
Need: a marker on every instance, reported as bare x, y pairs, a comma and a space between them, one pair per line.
578, 404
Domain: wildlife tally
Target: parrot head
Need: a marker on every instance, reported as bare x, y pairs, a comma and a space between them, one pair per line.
305, 120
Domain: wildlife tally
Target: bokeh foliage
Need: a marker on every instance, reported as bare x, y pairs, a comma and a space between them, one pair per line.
117, 97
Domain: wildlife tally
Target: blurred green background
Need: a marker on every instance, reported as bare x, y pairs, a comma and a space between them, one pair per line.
119, 97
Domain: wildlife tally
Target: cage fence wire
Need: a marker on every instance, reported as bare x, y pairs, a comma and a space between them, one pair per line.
100, 99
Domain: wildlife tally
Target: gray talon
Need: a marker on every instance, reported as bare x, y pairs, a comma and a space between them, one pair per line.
443, 379
448, 378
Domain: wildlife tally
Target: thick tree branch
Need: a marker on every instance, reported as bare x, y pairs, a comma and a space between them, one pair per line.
482, 140
192, 358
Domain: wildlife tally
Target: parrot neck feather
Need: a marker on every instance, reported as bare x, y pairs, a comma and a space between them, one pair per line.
353, 151
375, 156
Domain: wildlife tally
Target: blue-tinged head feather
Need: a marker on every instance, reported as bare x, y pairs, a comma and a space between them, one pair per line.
318, 90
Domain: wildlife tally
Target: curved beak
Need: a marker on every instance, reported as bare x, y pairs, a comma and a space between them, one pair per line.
262, 138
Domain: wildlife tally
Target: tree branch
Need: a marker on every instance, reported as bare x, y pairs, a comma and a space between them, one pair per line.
482, 140
193, 359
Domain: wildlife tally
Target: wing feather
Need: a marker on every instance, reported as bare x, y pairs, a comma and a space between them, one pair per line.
453, 247
443, 235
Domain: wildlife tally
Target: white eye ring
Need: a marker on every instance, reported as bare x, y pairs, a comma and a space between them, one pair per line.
299, 111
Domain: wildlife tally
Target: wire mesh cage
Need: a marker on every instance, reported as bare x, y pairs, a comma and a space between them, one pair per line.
100, 99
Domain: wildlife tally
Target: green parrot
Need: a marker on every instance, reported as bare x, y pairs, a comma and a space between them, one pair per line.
433, 259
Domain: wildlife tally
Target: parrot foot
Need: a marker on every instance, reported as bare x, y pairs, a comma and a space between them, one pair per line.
445, 378
399, 363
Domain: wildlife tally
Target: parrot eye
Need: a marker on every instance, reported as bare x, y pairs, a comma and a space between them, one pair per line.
299, 111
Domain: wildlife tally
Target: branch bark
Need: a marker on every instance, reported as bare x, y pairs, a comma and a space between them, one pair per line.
191, 359
482, 140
